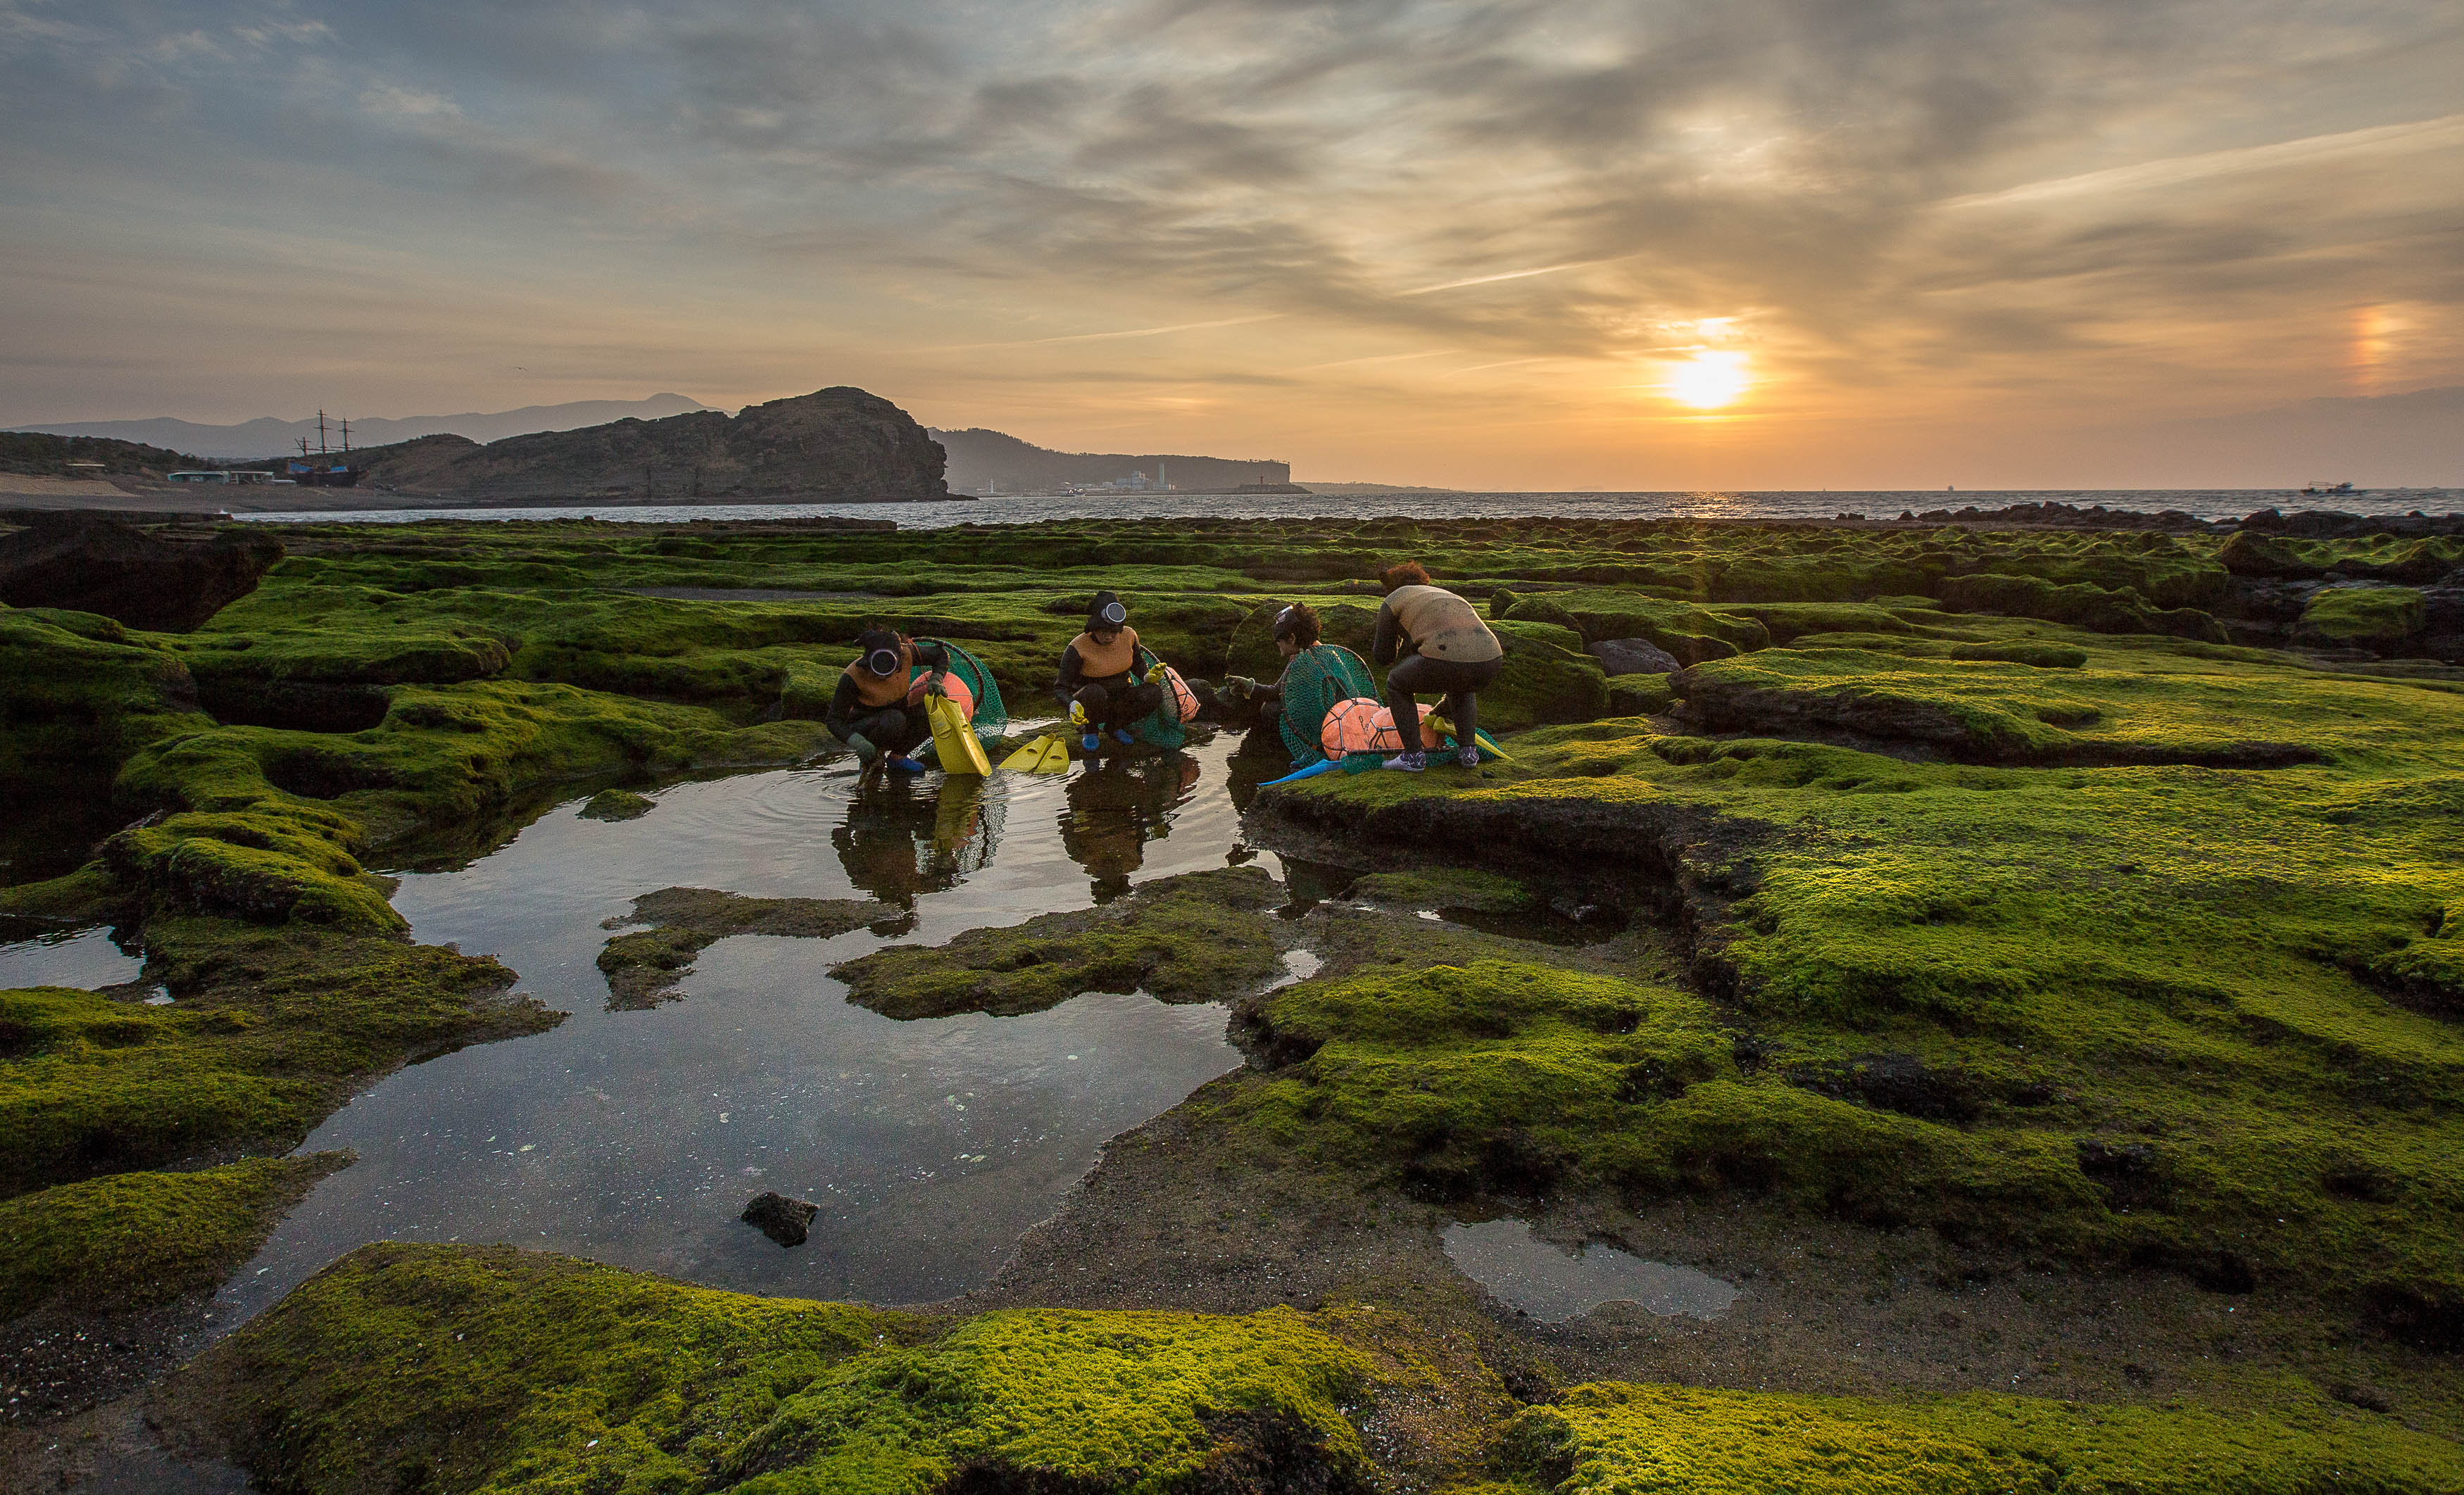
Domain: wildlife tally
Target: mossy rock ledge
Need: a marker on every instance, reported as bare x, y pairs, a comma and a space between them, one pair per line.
2010, 913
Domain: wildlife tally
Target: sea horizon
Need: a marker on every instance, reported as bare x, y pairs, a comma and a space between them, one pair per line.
1873, 504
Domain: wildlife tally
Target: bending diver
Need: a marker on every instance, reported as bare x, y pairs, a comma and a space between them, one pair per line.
1442, 645
1316, 674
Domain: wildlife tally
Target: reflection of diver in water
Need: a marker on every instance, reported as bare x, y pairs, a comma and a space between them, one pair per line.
903, 838
1113, 809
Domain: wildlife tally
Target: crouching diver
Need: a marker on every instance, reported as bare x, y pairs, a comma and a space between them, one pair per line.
1101, 683
876, 708
1316, 674
1442, 645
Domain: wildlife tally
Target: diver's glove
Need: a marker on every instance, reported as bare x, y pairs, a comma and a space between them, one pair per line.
865, 751
1239, 688
1078, 714
938, 683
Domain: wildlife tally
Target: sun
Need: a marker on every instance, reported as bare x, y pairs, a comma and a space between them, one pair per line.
1709, 380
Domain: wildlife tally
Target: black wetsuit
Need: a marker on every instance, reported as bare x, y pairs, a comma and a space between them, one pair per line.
897, 728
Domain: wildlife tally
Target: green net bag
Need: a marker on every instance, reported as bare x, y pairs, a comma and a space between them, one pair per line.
991, 720
1318, 677
1161, 727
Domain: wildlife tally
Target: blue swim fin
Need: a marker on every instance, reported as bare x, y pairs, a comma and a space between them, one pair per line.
1324, 765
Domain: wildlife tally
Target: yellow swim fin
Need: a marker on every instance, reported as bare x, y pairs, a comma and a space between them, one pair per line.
954, 740
1056, 756
1028, 759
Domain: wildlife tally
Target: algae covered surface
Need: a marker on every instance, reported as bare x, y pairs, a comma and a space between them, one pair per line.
488, 1369
2129, 1012
1604, 1438
645, 967
466, 1368
139, 1240
1197, 938
2017, 908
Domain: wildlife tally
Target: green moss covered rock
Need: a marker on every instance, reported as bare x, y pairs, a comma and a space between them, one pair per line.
646, 967
1639, 695
483, 1368
1607, 1437
2128, 971
1202, 937
272, 1026
618, 804
139, 1240
82, 693
2378, 617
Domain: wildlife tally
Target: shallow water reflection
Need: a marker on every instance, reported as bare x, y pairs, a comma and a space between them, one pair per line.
1553, 1285
32, 954
636, 1137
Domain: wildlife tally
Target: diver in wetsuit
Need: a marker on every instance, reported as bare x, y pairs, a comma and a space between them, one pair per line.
1316, 674
1101, 683
1435, 642
871, 710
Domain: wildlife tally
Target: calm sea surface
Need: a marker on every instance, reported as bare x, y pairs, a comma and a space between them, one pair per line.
2205, 504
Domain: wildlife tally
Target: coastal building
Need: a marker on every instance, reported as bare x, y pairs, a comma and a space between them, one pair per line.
238, 475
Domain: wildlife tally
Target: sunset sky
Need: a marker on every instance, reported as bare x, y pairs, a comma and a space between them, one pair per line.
1525, 244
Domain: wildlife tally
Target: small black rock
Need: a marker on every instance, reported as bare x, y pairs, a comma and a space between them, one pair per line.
781, 1219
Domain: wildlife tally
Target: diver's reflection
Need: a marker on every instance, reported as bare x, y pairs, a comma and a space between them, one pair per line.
1112, 807
903, 838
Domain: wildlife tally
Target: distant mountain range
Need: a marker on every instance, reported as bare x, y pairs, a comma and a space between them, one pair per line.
270, 437
980, 459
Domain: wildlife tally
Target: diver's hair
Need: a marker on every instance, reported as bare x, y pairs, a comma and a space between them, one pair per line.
1408, 573
1299, 624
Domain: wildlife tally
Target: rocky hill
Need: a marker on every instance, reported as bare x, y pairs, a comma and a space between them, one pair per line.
84, 456
273, 436
980, 459
839, 443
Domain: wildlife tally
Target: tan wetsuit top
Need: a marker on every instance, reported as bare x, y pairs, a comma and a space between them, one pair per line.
1442, 626
1101, 661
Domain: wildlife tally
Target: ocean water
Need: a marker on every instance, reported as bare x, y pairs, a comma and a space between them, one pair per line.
2205, 504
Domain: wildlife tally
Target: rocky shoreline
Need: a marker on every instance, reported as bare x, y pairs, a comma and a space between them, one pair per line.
2028, 972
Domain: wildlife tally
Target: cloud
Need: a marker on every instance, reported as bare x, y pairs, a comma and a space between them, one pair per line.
2443, 133
392, 100
1959, 196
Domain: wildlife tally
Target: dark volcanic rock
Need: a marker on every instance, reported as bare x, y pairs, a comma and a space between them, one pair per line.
88, 563
1635, 657
2330, 524
833, 444
1896, 1082
785, 1220
2066, 515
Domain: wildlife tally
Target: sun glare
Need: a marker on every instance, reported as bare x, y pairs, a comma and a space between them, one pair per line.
1709, 380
